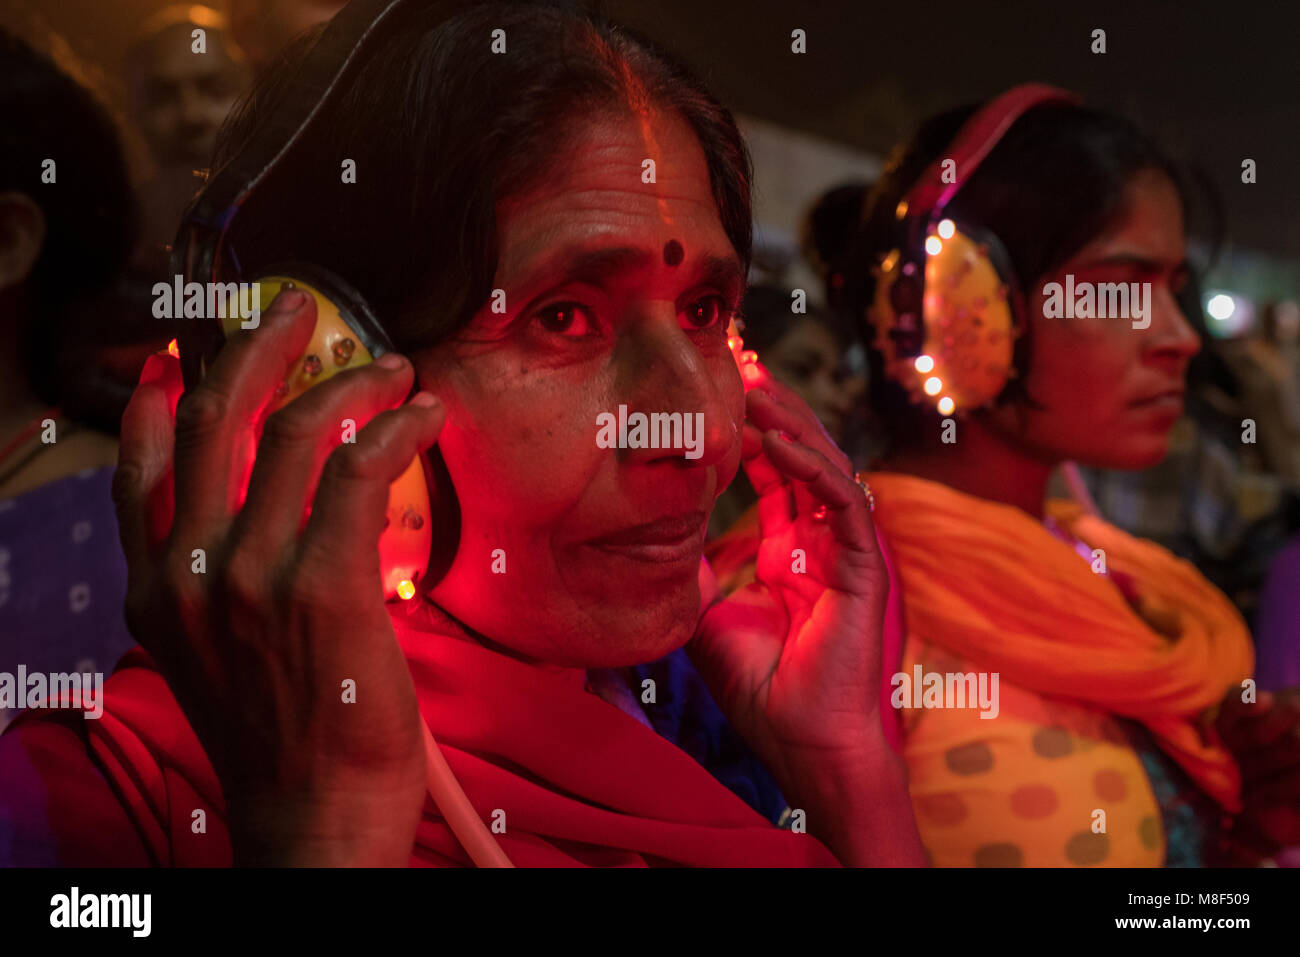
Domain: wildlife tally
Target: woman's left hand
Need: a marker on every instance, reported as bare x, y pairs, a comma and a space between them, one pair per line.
794, 659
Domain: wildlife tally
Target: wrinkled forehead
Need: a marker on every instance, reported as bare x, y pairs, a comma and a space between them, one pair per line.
638, 176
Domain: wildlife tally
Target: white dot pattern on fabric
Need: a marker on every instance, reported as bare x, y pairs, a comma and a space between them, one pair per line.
79, 597
80, 532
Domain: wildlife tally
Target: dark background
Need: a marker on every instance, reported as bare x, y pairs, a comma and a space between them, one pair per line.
1214, 82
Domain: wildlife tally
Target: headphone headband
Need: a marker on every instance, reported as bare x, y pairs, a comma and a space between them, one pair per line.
197, 251
976, 140
330, 57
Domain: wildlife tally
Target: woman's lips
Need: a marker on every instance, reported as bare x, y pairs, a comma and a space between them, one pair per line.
667, 540
1170, 401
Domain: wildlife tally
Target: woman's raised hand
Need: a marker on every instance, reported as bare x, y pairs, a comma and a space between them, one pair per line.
259, 607
794, 659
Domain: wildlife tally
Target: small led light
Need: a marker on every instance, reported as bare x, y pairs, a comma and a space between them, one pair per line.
933, 385
924, 364
934, 245
174, 349
901, 209
947, 228
406, 589
946, 405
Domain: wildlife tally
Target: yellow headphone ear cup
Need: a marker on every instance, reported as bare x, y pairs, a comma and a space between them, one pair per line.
407, 539
334, 346
968, 324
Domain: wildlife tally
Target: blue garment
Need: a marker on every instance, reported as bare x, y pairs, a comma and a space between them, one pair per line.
684, 712
1189, 815
62, 579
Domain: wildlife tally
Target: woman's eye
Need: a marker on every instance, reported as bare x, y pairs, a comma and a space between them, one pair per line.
707, 312
566, 319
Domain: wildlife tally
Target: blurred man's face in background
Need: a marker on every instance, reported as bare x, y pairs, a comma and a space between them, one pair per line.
810, 360
262, 28
181, 97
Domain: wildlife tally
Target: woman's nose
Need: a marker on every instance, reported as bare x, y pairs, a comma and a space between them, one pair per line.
664, 377
1172, 335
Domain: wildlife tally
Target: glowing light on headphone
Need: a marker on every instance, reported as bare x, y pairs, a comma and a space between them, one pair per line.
406, 589
947, 228
933, 245
924, 364
933, 385
174, 349
946, 405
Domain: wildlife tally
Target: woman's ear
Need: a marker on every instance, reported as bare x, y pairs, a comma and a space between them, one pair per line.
22, 234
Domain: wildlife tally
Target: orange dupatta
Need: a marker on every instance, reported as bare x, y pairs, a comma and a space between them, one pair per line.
990, 583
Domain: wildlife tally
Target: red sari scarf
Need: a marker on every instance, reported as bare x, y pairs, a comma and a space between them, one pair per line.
579, 782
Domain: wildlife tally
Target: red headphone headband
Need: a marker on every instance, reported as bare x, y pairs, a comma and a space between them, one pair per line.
976, 140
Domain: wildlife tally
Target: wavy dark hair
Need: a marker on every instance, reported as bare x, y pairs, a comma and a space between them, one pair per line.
442, 130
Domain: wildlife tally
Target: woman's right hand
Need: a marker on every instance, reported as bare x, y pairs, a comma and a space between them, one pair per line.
794, 659
258, 642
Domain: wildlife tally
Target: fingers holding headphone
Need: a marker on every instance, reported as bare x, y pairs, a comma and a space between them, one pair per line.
828, 492
776, 406
216, 422
351, 502
142, 489
297, 440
